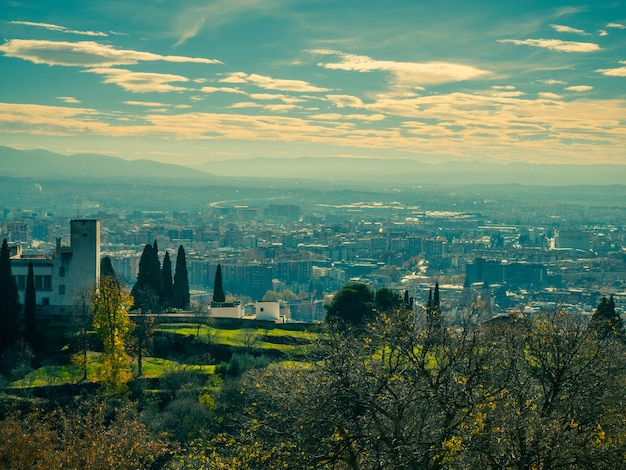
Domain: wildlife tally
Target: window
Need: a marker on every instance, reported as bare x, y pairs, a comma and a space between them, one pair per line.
61, 289
38, 282
21, 282
45, 301
47, 283
61, 271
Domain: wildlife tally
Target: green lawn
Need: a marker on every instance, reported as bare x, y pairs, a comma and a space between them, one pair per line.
259, 338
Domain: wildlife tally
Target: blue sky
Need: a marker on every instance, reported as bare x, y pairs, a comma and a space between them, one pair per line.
194, 81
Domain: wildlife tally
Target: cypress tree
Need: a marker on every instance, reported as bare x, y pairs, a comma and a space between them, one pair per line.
166, 284
155, 280
30, 306
139, 290
606, 321
106, 268
9, 300
180, 290
218, 288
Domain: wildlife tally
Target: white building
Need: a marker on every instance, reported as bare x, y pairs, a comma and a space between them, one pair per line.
63, 276
226, 310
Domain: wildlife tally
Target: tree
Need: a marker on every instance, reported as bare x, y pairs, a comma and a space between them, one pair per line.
113, 326
30, 306
155, 278
9, 300
106, 267
386, 300
140, 289
605, 321
80, 331
166, 283
353, 305
218, 288
180, 291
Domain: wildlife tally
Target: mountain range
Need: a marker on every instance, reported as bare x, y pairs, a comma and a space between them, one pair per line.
375, 172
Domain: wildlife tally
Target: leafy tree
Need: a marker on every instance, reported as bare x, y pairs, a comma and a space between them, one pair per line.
113, 326
180, 290
386, 300
80, 330
166, 283
91, 437
9, 300
218, 288
545, 393
605, 321
353, 305
30, 306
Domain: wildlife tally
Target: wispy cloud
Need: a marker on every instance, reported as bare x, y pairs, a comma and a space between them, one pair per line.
549, 96
616, 72
579, 88
568, 29
61, 29
553, 82
405, 73
212, 89
349, 117
68, 99
196, 14
270, 83
140, 82
85, 54
148, 104
555, 44
616, 25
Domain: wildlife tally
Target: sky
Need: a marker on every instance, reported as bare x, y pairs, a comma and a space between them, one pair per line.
190, 81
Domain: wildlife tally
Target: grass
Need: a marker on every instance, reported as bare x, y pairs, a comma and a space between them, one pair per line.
153, 367
243, 337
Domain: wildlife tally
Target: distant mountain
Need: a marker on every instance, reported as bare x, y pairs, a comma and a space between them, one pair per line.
384, 172
330, 171
45, 164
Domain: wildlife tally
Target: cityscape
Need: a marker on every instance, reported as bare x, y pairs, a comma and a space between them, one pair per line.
312, 235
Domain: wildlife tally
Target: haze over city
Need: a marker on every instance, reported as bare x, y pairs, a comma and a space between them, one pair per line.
195, 82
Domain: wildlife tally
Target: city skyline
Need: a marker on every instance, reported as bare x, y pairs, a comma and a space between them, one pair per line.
194, 82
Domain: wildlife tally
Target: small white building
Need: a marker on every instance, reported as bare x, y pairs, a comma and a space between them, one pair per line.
226, 310
267, 311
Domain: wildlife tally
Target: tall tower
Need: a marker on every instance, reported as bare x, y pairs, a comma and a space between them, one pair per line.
84, 268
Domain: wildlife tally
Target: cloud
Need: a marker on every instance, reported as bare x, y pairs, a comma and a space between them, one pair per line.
567, 29
553, 82
616, 25
405, 73
603, 32
212, 89
140, 82
148, 104
346, 101
270, 83
68, 99
617, 72
549, 96
85, 54
348, 117
270, 96
555, 44
193, 19
61, 29
579, 88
